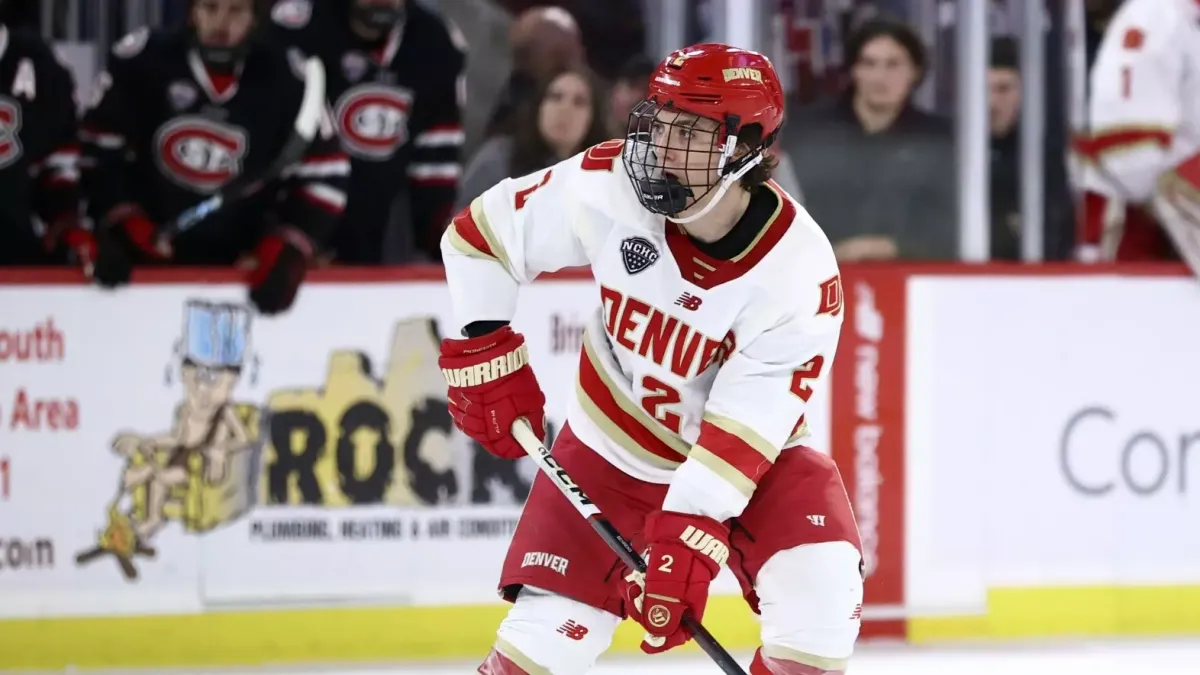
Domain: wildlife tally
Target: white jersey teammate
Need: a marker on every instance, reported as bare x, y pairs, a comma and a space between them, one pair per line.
1142, 171
719, 306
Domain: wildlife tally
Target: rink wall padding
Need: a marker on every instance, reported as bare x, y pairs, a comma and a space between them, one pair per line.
183, 482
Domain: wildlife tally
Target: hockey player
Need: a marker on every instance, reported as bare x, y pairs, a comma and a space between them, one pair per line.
1142, 171
39, 156
179, 114
718, 315
396, 89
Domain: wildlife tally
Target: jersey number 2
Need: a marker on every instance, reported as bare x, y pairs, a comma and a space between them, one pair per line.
659, 395
806, 373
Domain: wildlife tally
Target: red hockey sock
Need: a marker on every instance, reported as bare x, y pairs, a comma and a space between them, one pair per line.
499, 664
765, 665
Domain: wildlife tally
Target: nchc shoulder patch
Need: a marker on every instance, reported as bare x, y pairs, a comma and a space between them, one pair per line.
637, 254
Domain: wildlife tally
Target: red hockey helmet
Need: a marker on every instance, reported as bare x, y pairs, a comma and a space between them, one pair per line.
734, 88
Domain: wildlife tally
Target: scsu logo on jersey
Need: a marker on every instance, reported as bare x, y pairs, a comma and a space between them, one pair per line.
10, 127
200, 154
373, 120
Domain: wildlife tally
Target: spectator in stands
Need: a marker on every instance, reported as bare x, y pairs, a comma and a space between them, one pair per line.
876, 172
1004, 103
567, 116
628, 90
544, 40
610, 30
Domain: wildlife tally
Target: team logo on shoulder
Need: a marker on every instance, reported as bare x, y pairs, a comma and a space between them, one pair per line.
372, 120
10, 127
831, 296
292, 13
200, 154
637, 254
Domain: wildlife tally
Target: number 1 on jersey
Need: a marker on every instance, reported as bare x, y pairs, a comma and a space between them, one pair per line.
658, 396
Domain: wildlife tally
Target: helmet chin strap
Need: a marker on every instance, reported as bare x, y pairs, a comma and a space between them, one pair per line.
726, 181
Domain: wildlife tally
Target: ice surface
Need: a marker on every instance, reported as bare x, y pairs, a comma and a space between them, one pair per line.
1175, 657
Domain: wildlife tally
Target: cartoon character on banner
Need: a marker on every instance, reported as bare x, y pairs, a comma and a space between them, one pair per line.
200, 472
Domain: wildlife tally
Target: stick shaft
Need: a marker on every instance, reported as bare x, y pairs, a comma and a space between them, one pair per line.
611, 536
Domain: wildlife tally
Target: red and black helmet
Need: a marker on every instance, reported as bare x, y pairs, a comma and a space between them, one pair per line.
734, 87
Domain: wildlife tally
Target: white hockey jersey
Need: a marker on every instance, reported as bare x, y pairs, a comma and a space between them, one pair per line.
694, 371
1144, 112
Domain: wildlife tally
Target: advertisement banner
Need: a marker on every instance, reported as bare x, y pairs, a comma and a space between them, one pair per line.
1061, 425
868, 432
167, 450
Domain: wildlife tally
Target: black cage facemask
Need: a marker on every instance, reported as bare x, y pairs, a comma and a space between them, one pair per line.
650, 135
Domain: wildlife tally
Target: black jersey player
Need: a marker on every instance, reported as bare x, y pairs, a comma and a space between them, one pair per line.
180, 113
396, 90
39, 156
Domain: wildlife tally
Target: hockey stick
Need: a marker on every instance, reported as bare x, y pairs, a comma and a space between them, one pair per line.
308, 119
619, 545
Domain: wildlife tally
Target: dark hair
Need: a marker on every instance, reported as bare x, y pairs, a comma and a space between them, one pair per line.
530, 150
1005, 53
901, 32
751, 136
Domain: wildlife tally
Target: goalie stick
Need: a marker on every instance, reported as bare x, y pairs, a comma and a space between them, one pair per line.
304, 129
619, 544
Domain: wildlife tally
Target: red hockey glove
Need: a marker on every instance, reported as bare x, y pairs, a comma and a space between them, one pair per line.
280, 263
686, 553
125, 235
491, 386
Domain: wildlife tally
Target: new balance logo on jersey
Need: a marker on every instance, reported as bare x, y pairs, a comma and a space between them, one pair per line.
819, 521
637, 254
705, 544
573, 630
688, 302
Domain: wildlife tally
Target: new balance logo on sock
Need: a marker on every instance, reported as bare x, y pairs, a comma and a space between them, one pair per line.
573, 630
